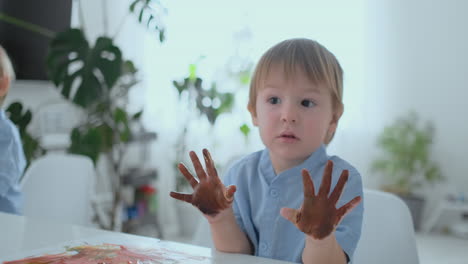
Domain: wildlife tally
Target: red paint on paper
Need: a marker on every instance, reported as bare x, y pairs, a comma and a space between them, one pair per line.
110, 253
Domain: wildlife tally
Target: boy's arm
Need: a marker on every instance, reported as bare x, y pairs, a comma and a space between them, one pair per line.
326, 250
318, 217
227, 235
214, 200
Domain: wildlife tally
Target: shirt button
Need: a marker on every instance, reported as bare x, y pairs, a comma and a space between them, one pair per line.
274, 192
263, 246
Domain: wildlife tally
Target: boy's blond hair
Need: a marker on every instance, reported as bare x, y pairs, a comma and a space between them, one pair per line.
319, 65
6, 69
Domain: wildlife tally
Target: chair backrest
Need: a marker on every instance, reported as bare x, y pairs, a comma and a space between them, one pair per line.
59, 187
387, 231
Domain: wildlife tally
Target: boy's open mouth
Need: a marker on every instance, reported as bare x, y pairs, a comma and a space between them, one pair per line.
288, 135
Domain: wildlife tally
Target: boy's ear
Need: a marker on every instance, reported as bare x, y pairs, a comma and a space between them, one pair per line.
253, 114
4, 85
334, 122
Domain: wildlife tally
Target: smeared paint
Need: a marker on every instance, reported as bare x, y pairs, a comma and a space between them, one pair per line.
209, 195
318, 216
112, 254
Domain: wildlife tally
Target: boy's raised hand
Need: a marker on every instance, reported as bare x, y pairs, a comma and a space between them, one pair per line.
318, 216
209, 194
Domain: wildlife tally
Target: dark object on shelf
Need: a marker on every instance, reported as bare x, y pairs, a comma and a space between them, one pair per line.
415, 205
137, 177
143, 137
27, 49
142, 215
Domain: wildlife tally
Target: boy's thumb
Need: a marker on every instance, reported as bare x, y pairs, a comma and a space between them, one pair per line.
231, 189
289, 214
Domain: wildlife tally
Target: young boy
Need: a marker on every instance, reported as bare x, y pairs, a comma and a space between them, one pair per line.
12, 160
296, 102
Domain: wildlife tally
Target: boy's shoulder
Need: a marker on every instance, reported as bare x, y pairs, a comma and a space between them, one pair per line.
341, 164
7, 127
242, 166
247, 161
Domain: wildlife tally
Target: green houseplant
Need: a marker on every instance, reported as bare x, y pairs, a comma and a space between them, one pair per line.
198, 100
22, 117
193, 94
405, 162
102, 82
192, 86
97, 79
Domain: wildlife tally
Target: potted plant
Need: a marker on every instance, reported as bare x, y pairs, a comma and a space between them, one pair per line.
405, 161
197, 101
196, 106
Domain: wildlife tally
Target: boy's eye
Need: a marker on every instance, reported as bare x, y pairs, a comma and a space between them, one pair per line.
307, 103
274, 100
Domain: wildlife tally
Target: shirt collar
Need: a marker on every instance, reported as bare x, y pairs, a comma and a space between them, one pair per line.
315, 160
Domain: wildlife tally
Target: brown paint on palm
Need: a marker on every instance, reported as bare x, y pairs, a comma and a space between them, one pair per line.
209, 195
318, 216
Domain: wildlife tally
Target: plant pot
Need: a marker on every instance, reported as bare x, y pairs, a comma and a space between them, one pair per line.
415, 205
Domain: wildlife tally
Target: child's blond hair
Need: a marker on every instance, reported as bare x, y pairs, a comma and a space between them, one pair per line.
319, 64
6, 69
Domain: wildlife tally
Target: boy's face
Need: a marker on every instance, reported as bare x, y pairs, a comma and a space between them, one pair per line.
294, 116
4, 85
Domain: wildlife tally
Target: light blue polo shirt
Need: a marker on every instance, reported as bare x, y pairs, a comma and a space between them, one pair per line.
261, 194
12, 164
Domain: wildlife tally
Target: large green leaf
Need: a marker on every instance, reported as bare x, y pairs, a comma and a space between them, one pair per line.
245, 129
21, 117
122, 124
226, 101
90, 141
148, 15
92, 70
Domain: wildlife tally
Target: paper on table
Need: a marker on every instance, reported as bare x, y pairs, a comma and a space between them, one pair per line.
97, 250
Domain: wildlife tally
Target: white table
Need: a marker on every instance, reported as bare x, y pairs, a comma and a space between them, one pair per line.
21, 237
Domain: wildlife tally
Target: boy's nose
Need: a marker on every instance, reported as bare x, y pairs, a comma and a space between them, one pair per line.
286, 119
289, 115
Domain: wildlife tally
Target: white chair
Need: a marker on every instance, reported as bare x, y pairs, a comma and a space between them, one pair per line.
59, 187
387, 231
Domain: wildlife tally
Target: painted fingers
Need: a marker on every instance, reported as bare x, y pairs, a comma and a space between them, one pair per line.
193, 182
201, 174
345, 209
318, 215
197, 165
209, 195
182, 196
325, 186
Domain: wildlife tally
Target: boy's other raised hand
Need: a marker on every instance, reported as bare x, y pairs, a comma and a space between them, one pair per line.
318, 216
209, 195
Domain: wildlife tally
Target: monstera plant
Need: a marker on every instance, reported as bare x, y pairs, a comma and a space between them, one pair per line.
22, 117
97, 79
94, 78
